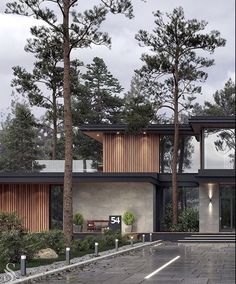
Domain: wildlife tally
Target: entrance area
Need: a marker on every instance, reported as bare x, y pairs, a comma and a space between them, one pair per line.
227, 208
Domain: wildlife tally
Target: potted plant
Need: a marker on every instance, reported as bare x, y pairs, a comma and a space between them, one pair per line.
78, 221
128, 219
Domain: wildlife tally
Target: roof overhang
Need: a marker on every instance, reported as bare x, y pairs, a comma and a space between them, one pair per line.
199, 122
183, 179
216, 175
58, 178
97, 131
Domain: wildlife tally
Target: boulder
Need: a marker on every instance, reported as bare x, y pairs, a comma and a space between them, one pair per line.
46, 253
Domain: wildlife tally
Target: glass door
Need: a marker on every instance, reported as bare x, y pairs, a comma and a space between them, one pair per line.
227, 207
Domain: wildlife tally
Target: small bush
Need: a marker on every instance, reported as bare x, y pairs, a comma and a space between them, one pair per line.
10, 221
90, 242
13, 244
110, 237
128, 218
54, 239
78, 219
187, 220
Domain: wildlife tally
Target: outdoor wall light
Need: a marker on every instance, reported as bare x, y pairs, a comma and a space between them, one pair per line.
117, 132
210, 192
144, 133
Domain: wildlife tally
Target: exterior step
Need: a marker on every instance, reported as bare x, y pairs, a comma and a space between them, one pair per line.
208, 238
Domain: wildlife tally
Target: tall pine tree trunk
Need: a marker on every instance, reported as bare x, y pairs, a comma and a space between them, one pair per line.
54, 140
68, 214
176, 146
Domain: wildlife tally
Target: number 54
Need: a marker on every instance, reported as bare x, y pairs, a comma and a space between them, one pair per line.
115, 220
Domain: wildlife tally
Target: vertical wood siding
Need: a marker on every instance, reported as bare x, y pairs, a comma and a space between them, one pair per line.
131, 153
29, 201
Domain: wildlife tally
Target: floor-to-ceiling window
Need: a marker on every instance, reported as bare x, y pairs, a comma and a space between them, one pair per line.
56, 207
189, 154
227, 207
219, 148
188, 197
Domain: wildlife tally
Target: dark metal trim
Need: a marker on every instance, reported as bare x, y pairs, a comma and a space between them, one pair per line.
57, 178
216, 175
202, 150
161, 179
160, 128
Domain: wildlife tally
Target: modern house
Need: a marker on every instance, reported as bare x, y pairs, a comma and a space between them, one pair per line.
136, 176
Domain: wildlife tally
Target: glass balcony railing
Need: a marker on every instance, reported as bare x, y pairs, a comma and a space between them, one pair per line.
79, 166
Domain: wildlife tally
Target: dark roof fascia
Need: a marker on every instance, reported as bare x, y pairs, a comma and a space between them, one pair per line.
57, 178
213, 119
161, 179
36, 178
216, 175
199, 122
183, 179
117, 177
155, 128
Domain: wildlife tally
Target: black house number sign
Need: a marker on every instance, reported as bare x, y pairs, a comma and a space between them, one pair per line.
115, 222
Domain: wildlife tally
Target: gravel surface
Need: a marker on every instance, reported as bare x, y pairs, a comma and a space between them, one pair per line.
7, 278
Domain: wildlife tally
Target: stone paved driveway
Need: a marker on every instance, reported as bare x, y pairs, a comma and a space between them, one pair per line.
198, 264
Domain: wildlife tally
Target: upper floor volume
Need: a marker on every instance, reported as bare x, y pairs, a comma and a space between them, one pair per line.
205, 143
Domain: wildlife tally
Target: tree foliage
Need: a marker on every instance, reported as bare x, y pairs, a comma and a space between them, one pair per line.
223, 105
78, 30
98, 101
139, 110
173, 69
44, 85
19, 142
224, 101
99, 98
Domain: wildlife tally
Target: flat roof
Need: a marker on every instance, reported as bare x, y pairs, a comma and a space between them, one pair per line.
58, 178
199, 122
97, 131
196, 123
160, 128
161, 179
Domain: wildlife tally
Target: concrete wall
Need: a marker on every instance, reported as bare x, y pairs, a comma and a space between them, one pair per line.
99, 200
209, 212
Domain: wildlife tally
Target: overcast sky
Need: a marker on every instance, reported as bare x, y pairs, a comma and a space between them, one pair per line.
124, 56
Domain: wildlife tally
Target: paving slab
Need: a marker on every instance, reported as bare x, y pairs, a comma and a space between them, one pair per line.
197, 264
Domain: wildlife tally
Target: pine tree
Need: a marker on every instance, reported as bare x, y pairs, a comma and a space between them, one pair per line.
139, 110
224, 101
223, 105
19, 141
173, 68
44, 85
79, 30
98, 101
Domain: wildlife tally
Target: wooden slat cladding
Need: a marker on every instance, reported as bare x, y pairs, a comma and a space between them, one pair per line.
29, 201
131, 153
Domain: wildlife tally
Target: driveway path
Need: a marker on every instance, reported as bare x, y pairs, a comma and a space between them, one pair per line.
197, 263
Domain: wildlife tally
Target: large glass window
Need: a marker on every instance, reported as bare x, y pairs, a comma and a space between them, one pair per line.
219, 149
189, 154
56, 207
188, 197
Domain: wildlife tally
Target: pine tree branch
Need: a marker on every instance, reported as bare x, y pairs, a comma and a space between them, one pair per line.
72, 3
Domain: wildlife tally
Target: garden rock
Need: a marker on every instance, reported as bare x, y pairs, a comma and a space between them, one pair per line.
46, 253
